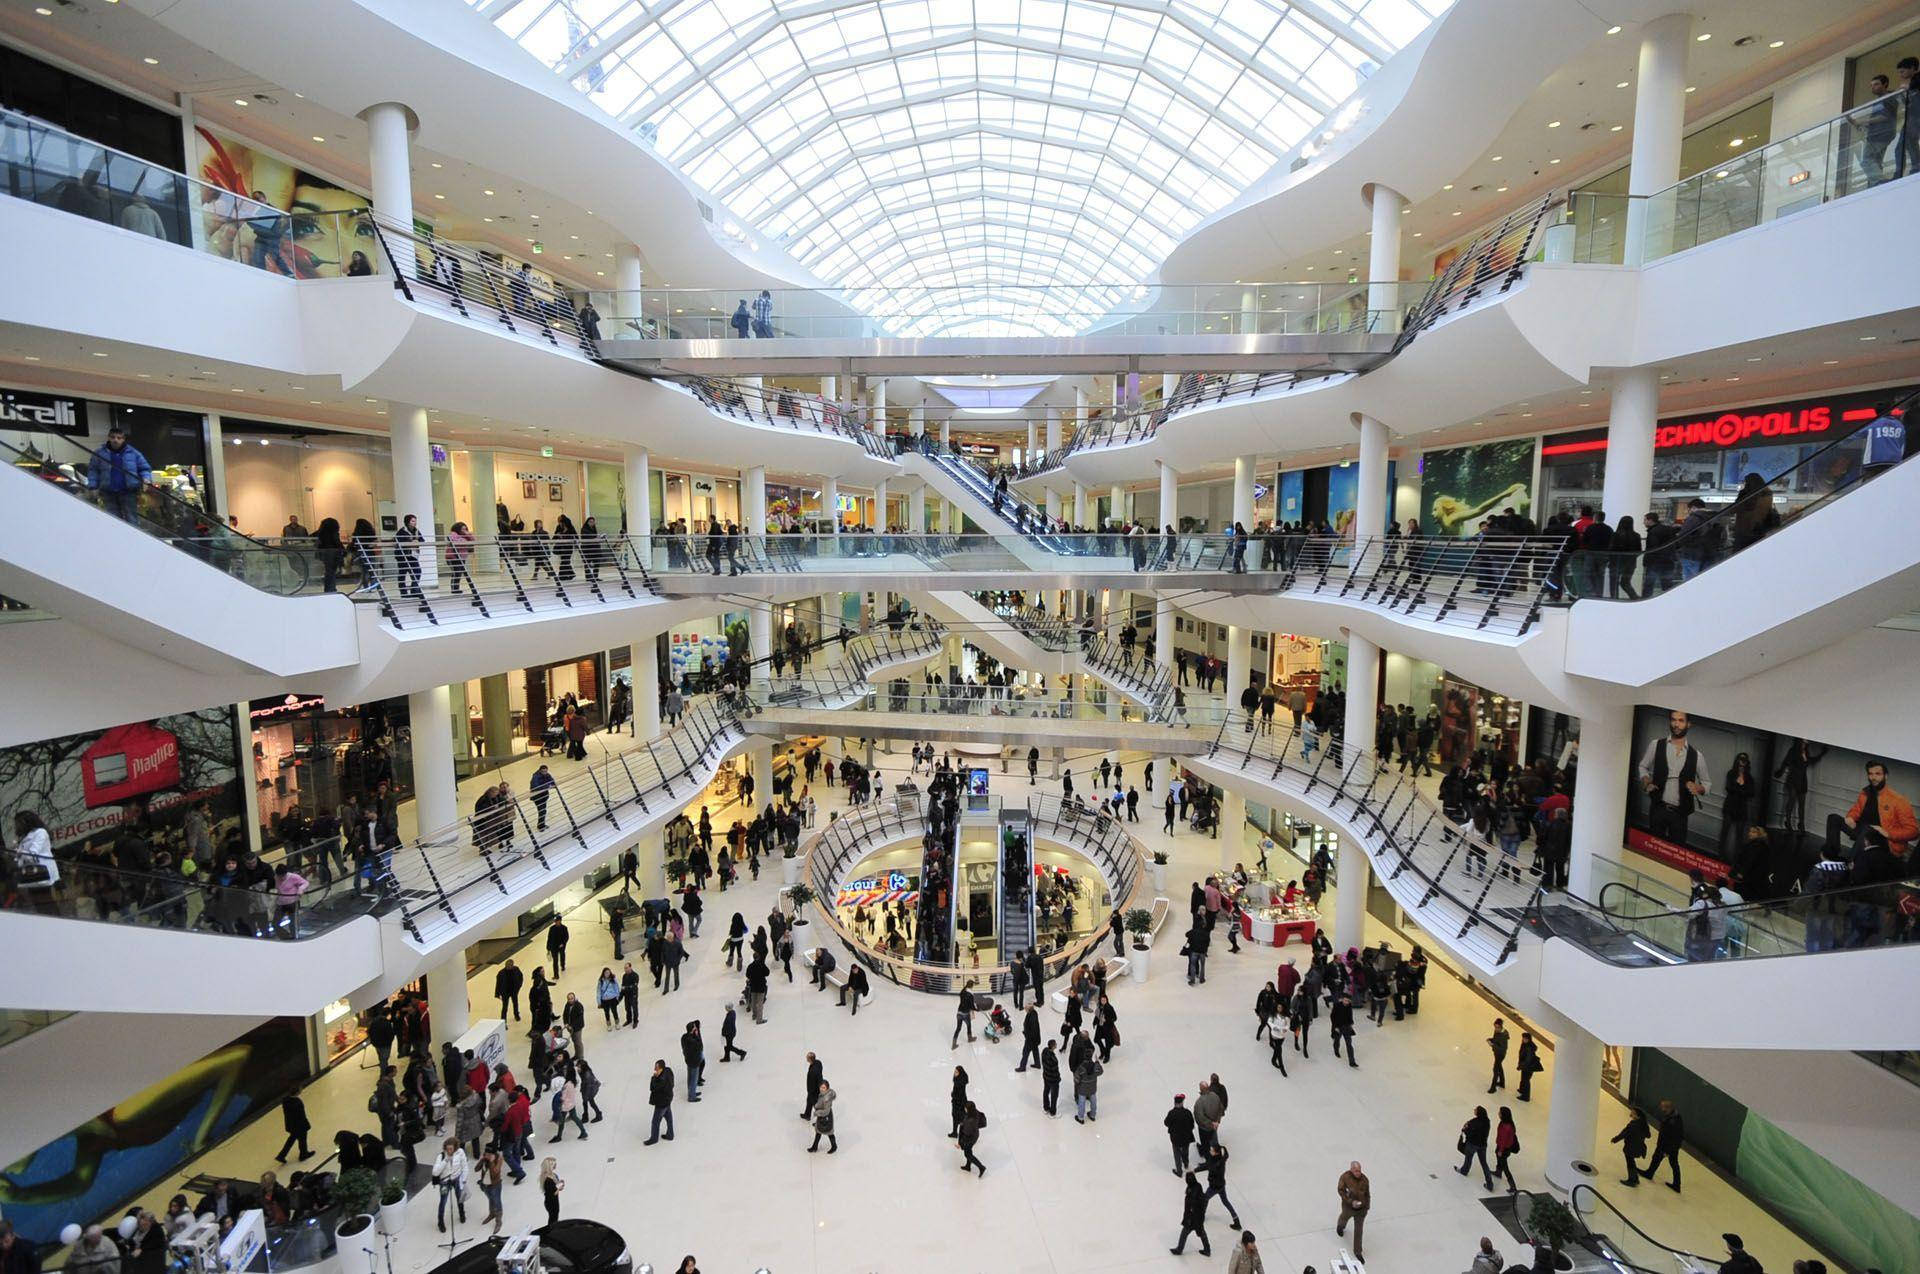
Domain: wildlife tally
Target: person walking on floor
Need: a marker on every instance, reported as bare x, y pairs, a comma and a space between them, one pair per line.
1506, 1144
1356, 1196
729, 1027
1216, 1166
1029, 1037
971, 1122
1179, 1126
293, 1117
1209, 1108
557, 945
660, 1097
1666, 1144
823, 1118
811, 1090
1193, 1218
1497, 1045
506, 988
1473, 1144
1086, 1088
963, 1014
1246, 1257
693, 1052
1632, 1141
957, 1100
551, 1185
1528, 1064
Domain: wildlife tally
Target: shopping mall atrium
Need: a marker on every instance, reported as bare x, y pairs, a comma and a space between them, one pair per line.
555, 552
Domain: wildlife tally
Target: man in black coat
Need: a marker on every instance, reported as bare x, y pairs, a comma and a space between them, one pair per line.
1632, 1141
1029, 1036
293, 1113
1017, 970
506, 988
1193, 1218
557, 944
815, 1073
1050, 1078
660, 1097
693, 1051
1179, 1126
1666, 1144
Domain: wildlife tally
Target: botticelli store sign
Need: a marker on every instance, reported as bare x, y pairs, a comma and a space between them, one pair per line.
1804, 420
42, 413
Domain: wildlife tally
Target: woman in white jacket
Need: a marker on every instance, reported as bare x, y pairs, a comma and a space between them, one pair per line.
450, 1174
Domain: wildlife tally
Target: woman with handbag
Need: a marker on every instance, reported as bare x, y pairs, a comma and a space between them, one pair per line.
36, 872
450, 1174
1506, 1144
1473, 1144
823, 1119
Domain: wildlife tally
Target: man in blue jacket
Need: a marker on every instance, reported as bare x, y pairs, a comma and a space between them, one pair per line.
118, 472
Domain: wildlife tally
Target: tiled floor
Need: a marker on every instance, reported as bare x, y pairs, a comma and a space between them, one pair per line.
738, 1189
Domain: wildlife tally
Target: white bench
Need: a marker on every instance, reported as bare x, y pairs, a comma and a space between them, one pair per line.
1116, 970
1162, 908
837, 978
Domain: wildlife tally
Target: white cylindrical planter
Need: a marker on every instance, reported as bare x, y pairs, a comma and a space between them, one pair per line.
790, 871
1159, 871
393, 1217
355, 1252
1137, 963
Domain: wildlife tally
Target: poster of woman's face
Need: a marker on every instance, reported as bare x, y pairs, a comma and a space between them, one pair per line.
242, 188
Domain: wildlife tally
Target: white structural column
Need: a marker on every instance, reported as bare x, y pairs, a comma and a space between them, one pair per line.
1383, 255
646, 687
1239, 663
1573, 1106
413, 480
1053, 505
1370, 499
955, 522
753, 513
1033, 439
917, 422
389, 161
830, 502
1600, 791
639, 482
1659, 124
447, 999
436, 798
1632, 417
1117, 502
1243, 493
879, 421
1350, 899
917, 510
1079, 504
1169, 496
1233, 821
1053, 433
627, 277
880, 505
946, 434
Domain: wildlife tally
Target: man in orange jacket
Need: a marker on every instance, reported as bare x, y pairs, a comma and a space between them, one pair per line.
1882, 826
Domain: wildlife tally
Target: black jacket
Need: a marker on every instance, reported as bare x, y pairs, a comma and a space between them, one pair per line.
1030, 1028
1193, 1210
691, 1048
815, 1073
1050, 1066
557, 936
1476, 1131
508, 981
1179, 1125
1672, 1133
293, 1112
660, 1088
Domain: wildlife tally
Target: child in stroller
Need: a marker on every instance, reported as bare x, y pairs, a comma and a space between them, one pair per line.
999, 1022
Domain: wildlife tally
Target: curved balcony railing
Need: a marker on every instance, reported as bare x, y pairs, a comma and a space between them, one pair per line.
843, 844
785, 409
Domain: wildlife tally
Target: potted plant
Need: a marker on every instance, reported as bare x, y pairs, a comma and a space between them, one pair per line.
789, 866
356, 1194
1159, 869
677, 871
1138, 921
1553, 1224
393, 1208
799, 895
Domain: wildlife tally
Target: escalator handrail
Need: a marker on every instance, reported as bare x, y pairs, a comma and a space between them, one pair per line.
1573, 1202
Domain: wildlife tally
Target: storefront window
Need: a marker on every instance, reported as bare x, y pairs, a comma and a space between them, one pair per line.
64, 428
308, 760
276, 472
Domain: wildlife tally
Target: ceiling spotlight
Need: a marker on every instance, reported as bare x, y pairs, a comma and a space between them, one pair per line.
240, 101
486, 192
1703, 37
151, 61
1776, 44
317, 137
1616, 128
1622, 84
1613, 30
1498, 158
1448, 186
1553, 124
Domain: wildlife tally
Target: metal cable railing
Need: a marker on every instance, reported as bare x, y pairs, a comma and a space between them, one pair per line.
786, 409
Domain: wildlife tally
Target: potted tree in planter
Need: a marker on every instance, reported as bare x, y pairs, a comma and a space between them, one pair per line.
677, 871
1159, 869
1138, 921
356, 1194
1553, 1224
393, 1208
799, 895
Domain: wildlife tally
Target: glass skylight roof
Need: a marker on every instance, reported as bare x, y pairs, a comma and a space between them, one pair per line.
990, 147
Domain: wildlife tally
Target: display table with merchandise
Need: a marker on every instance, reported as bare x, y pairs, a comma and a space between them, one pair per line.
1275, 926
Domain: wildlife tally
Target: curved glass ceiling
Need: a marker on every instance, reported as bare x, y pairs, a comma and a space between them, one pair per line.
997, 148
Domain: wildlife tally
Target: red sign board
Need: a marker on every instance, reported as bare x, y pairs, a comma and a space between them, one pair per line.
1678, 857
1806, 420
129, 761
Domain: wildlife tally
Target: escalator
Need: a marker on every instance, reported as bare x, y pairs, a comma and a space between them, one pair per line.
1605, 1240
1016, 882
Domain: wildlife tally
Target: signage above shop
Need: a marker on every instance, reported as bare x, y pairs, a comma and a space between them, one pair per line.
128, 761
1806, 419
42, 413
264, 709
522, 475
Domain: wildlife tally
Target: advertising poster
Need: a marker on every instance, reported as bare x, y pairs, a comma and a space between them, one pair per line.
87, 786
1292, 494
1461, 488
122, 1151
1343, 497
308, 244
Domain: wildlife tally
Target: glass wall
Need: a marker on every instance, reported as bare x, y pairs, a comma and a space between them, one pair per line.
308, 759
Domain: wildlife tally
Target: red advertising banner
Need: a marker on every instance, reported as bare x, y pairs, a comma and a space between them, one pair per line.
129, 761
1678, 857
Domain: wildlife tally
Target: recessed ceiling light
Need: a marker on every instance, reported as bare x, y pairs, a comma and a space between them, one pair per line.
437, 164
313, 402
439, 196
1692, 88
1456, 212
488, 220
1499, 190
239, 101
1553, 124
1613, 30
97, 354
1703, 37
1616, 128
317, 137
45, 13
1498, 158
1448, 186
575, 236
1622, 84
1417, 233
1732, 379
1864, 338
1553, 161
33, 358
151, 61
1736, 143
1829, 362
1720, 174
1754, 359
486, 192
1776, 44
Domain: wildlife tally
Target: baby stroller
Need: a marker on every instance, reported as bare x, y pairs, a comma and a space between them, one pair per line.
999, 1023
